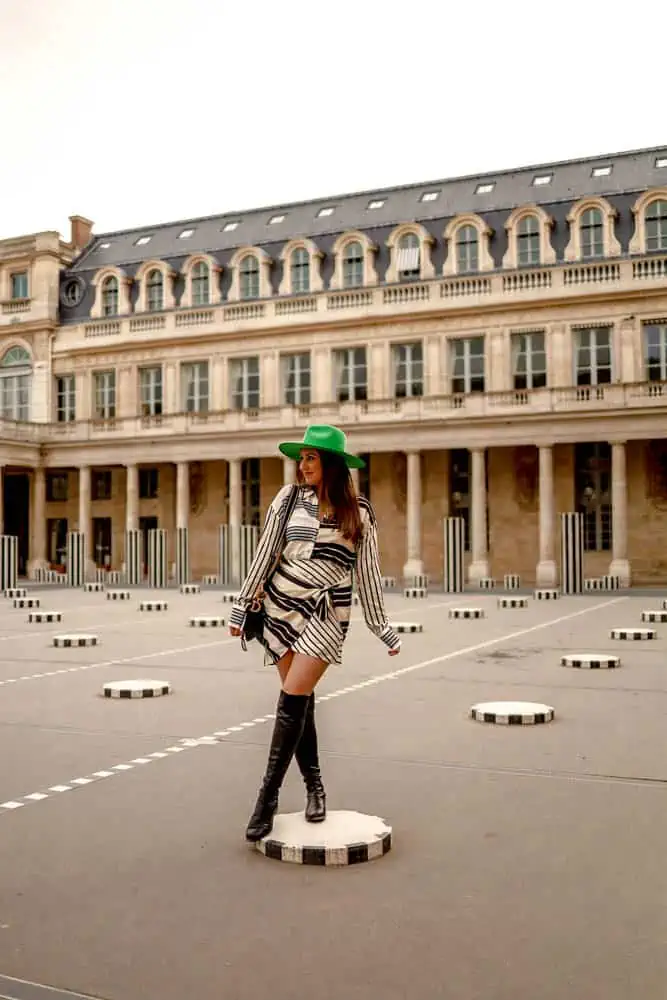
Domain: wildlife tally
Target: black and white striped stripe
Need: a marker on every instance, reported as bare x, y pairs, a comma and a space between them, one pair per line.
157, 557
8, 561
133, 557
76, 558
572, 553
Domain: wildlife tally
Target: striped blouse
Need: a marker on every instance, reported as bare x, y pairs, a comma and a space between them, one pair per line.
302, 537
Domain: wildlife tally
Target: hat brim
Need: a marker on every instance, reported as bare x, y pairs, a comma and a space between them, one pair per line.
293, 449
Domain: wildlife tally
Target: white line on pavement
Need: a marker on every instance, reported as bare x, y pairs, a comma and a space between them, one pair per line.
215, 738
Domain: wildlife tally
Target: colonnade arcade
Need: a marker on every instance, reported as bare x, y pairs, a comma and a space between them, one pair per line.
471, 501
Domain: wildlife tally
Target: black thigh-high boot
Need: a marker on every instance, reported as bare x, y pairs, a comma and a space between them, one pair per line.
290, 717
308, 760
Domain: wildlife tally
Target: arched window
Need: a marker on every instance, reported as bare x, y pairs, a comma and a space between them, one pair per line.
408, 257
656, 226
300, 270
154, 291
110, 296
467, 250
15, 384
592, 233
353, 265
249, 288
528, 241
201, 284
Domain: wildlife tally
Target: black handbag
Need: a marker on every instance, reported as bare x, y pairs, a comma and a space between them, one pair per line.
253, 626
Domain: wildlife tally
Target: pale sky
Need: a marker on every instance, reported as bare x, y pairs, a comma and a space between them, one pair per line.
134, 112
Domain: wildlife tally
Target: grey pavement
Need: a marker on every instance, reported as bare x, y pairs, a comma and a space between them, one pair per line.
527, 862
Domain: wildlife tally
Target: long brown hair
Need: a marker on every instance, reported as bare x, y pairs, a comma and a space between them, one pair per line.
338, 488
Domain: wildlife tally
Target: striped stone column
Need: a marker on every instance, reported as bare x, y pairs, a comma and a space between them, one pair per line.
572, 553
133, 557
157, 558
76, 558
9, 561
182, 556
454, 548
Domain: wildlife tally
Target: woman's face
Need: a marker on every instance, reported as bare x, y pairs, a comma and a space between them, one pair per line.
310, 465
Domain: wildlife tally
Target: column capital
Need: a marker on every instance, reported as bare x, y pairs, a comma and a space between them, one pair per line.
617, 442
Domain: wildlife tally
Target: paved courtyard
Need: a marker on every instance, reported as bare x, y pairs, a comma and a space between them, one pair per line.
528, 863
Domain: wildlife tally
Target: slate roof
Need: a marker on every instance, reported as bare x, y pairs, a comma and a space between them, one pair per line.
632, 171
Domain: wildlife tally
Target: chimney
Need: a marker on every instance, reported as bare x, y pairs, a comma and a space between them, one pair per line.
82, 230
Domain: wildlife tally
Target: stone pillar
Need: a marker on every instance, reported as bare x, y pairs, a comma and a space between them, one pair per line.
479, 565
414, 565
620, 565
2, 499
132, 498
546, 572
38, 558
235, 516
182, 494
84, 521
355, 480
289, 470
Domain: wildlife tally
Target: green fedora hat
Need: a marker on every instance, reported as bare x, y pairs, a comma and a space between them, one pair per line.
323, 437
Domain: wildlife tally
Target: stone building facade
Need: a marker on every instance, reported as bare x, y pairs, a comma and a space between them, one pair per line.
496, 346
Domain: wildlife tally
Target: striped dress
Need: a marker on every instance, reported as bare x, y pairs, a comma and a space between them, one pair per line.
309, 597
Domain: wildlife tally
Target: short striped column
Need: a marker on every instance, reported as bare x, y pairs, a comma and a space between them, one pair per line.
157, 557
9, 561
76, 558
572, 553
182, 557
133, 557
454, 539
246, 537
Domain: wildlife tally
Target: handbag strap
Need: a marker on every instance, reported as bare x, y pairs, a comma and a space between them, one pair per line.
280, 544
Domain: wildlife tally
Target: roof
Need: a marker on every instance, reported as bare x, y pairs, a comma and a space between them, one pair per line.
570, 180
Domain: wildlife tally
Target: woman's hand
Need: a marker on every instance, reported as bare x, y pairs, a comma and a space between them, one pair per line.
394, 652
234, 631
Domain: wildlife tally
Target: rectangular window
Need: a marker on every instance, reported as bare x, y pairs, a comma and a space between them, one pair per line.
592, 479
57, 484
15, 397
65, 399
459, 488
350, 374
105, 395
296, 379
593, 356
56, 540
244, 374
408, 369
19, 285
250, 480
150, 391
149, 481
102, 539
467, 364
529, 360
194, 387
100, 487
655, 351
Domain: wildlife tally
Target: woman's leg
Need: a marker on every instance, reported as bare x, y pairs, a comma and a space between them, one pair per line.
283, 665
306, 755
303, 674
291, 711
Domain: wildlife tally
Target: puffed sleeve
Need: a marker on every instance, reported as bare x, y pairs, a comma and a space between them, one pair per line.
263, 558
369, 581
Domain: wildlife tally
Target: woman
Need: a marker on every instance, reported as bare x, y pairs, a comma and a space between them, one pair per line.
315, 534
